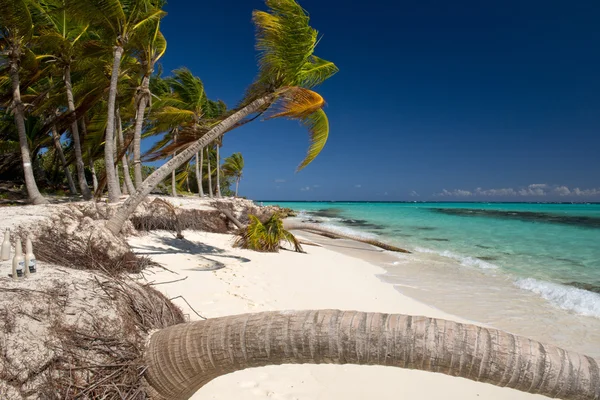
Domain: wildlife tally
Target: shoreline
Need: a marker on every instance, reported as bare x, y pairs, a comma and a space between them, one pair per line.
250, 282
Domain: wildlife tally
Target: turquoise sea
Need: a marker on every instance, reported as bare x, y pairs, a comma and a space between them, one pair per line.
552, 250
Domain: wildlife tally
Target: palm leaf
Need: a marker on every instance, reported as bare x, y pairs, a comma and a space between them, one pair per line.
9, 146
16, 17
316, 71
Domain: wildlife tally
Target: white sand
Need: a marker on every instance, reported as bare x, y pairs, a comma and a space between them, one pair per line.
252, 282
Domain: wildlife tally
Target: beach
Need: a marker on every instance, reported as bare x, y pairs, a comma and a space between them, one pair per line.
211, 278
207, 277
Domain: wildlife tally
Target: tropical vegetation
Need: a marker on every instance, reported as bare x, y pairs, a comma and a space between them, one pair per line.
81, 87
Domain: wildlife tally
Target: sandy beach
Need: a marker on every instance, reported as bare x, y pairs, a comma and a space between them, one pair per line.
214, 279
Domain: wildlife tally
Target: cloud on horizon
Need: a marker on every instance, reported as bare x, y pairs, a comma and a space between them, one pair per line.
414, 194
533, 190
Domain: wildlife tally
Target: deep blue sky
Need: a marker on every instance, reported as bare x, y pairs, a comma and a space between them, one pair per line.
431, 95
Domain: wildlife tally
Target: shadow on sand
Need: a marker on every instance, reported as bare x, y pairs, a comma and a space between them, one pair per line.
185, 246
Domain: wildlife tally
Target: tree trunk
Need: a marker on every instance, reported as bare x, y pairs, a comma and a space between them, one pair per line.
210, 189
183, 358
109, 158
94, 176
237, 185
115, 223
83, 186
137, 135
126, 174
199, 169
173, 183
116, 166
317, 228
32, 190
63, 160
218, 167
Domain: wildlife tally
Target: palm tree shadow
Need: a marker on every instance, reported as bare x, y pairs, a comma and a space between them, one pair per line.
185, 246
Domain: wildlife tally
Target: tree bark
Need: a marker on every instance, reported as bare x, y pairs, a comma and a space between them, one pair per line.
32, 190
218, 167
83, 185
63, 160
199, 173
210, 189
111, 178
183, 358
115, 223
94, 176
237, 185
173, 183
116, 165
137, 135
126, 174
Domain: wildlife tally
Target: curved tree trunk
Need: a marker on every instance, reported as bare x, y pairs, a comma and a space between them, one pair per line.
218, 167
126, 174
32, 190
137, 135
115, 223
63, 160
111, 178
199, 169
183, 358
210, 189
83, 186
316, 228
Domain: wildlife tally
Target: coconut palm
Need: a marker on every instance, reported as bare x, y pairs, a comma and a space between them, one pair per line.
233, 166
119, 20
183, 358
16, 33
287, 71
61, 38
150, 45
266, 237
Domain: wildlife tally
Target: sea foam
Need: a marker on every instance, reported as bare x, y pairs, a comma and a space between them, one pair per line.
573, 299
466, 261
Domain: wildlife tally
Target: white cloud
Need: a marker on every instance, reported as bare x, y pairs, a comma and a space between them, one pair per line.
316, 186
358, 186
455, 193
279, 180
533, 190
562, 191
496, 192
413, 194
537, 189
385, 194
305, 189
586, 192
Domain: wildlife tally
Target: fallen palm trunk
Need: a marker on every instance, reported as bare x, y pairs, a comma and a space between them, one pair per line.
331, 233
183, 358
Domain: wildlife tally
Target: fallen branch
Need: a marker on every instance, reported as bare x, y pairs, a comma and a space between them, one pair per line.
338, 235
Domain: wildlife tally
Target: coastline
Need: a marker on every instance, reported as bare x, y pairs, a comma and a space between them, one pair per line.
247, 281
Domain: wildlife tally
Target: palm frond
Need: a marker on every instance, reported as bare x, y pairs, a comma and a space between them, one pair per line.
9, 146
16, 17
317, 124
316, 71
296, 103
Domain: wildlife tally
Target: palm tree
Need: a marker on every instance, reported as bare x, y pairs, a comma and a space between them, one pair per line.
233, 166
150, 46
183, 358
288, 69
120, 20
16, 33
61, 36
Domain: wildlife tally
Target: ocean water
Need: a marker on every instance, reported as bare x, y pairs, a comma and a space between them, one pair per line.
548, 251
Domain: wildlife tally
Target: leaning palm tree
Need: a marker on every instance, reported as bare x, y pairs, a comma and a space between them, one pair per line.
183, 358
233, 166
288, 70
16, 33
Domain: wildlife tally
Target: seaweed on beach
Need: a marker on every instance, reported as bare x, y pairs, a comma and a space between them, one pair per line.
161, 215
